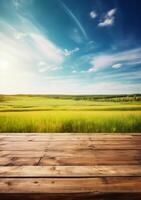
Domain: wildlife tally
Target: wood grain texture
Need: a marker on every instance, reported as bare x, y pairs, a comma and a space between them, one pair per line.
67, 185
70, 171
70, 166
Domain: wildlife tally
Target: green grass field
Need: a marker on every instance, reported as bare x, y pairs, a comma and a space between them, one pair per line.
78, 114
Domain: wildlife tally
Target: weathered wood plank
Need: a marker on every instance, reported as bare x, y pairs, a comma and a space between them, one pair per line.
17, 154
43, 139
64, 161
27, 146
70, 171
87, 145
73, 142
75, 185
66, 157
19, 161
15, 146
93, 158
73, 138
66, 136
71, 152
87, 161
64, 164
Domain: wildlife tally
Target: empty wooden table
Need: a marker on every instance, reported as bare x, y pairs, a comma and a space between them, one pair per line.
70, 166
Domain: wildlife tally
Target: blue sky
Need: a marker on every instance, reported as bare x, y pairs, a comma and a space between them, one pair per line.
70, 46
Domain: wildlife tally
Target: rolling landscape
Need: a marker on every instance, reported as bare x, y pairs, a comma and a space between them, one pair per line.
72, 69
66, 113
70, 99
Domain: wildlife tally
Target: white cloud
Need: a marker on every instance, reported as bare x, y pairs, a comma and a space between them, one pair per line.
47, 68
111, 12
128, 75
117, 66
100, 62
51, 53
24, 53
130, 57
31, 46
44, 67
108, 19
70, 52
107, 22
93, 14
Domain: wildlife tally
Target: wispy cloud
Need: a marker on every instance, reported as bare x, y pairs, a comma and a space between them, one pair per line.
122, 76
117, 66
131, 57
20, 3
109, 18
45, 67
107, 22
70, 52
78, 23
25, 53
32, 63
50, 51
111, 13
93, 14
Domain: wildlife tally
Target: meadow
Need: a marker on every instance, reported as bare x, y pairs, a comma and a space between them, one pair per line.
77, 114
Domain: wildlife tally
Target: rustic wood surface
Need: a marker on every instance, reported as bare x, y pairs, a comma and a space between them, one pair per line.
70, 166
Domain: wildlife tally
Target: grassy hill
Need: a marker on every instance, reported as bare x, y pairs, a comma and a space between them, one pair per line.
67, 113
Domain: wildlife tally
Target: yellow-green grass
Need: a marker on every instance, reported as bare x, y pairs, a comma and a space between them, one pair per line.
22, 113
71, 121
43, 103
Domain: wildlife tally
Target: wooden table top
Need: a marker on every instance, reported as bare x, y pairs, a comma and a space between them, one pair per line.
70, 166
